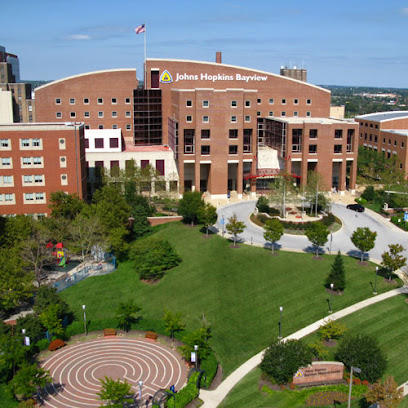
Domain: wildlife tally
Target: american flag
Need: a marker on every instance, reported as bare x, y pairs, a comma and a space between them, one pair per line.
140, 29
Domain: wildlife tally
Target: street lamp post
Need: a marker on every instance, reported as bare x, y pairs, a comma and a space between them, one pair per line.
375, 281
196, 355
357, 370
280, 322
140, 389
84, 309
331, 298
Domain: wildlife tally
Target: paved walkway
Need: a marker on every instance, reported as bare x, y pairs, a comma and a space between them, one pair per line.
213, 398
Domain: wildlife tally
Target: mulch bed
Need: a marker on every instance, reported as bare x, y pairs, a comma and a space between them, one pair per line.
325, 398
364, 263
330, 343
333, 292
150, 281
217, 380
234, 246
390, 282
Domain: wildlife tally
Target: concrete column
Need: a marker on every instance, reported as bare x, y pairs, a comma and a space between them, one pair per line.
342, 176
303, 173
181, 176
240, 178
253, 181
197, 174
167, 186
353, 174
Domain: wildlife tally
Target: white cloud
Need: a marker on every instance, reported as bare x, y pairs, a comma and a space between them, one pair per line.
404, 11
78, 37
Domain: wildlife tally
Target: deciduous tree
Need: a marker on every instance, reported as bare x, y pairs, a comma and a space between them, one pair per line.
189, 206
317, 234
235, 227
386, 393
207, 215
273, 232
172, 322
65, 205
115, 394
364, 240
393, 260
127, 315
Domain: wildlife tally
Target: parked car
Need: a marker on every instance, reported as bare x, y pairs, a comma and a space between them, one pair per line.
356, 207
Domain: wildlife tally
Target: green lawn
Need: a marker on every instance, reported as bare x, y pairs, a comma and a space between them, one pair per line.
385, 320
238, 290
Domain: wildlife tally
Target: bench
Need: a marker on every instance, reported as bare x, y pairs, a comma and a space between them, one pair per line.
109, 332
151, 335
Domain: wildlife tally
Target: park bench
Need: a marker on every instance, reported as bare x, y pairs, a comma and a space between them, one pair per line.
151, 335
109, 332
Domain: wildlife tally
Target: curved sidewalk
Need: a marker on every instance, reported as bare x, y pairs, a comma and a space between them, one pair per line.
212, 399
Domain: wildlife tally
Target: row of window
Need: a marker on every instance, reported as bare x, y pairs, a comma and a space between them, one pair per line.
128, 127
313, 148
7, 162
247, 104
371, 125
58, 115
86, 101
99, 143
24, 143
375, 137
160, 165
206, 149
232, 134
29, 198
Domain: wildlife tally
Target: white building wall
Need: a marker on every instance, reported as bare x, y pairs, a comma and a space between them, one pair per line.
6, 107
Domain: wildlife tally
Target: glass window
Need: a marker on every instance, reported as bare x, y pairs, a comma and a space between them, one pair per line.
100, 114
58, 115
205, 150
36, 142
270, 113
313, 133
39, 196
233, 119
114, 101
58, 101
128, 127
338, 148
7, 179
28, 179
206, 119
308, 101
26, 161
233, 133
37, 160
296, 101
38, 179
114, 114
25, 142
72, 114
128, 114
258, 101
189, 118
233, 104
283, 113
5, 161
313, 149
86, 114
338, 133
72, 101
205, 133
113, 142
29, 196
295, 113
100, 101
99, 143
127, 100
271, 101
86, 101
114, 126
189, 103
233, 149
247, 118
283, 101
206, 104
8, 197
308, 114
247, 104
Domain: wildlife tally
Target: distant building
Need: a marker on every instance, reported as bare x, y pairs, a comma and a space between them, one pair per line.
36, 160
386, 132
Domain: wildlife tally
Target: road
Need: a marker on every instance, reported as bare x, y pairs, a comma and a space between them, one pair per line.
387, 233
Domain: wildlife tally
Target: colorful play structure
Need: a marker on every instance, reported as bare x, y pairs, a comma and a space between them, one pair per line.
59, 252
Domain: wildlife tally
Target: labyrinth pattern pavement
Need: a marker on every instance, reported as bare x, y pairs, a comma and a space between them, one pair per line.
76, 370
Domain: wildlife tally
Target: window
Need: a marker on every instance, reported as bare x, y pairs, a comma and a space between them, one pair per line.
98, 143
295, 113
308, 114
233, 149
72, 101
205, 150
271, 101
247, 118
338, 133
114, 114
29, 197
247, 104
39, 196
37, 160
296, 101
206, 104
283, 113
383, 139
247, 145
144, 163
86, 101
87, 127
114, 101
233, 133
313, 134
371, 137
308, 101
6, 161
206, 119
113, 142
270, 113
389, 141
258, 101
127, 114
100, 127
189, 103
100, 101
189, 118
160, 167
283, 101
375, 139
128, 127
8, 197
38, 179
26, 161
36, 142
58, 101
86, 114
233, 119
7, 179
338, 148
58, 115
258, 113
365, 136
312, 149
86, 142
72, 114
205, 133
114, 126
376, 126
127, 101
27, 179
100, 114
233, 104
402, 145
25, 142
4, 143
395, 142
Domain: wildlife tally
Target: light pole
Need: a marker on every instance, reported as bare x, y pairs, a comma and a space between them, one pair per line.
280, 322
196, 355
357, 370
84, 309
140, 389
330, 300
26, 339
375, 281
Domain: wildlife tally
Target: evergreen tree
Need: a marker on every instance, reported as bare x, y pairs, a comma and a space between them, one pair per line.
337, 274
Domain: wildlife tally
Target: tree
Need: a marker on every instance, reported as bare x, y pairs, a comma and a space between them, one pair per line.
148, 175
153, 256
273, 231
16, 230
393, 260
28, 379
127, 315
141, 225
198, 338
317, 234
337, 274
263, 205
362, 351
32, 325
50, 319
46, 297
235, 227
115, 394
16, 283
172, 322
12, 353
189, 205
331, 330
65, 205
282, 190
207, 215
364, 240
281, 359
315, 184
386, 393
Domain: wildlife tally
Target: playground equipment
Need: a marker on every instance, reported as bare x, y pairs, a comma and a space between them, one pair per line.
60, 253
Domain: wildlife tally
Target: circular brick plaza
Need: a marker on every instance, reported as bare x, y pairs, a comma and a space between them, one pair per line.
76, 370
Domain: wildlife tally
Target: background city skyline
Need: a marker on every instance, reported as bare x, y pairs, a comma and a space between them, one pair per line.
352, 43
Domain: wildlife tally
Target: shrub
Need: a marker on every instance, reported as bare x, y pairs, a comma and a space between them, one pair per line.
362, 351
187, 394
356, 381
368, 194
42, 344
318, 349
281, 360
262, 204
56, 344
361, 200
332, 329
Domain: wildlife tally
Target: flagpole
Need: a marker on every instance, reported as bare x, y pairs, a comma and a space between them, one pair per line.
145, 69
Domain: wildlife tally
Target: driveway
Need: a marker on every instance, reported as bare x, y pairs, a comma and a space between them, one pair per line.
387, 233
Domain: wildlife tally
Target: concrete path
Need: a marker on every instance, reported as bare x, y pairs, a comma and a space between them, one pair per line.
212, 399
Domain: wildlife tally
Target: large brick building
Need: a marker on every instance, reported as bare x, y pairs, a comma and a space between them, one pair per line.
214, 118
36, 160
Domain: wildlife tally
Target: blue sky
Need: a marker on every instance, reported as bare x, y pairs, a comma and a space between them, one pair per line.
343, 43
